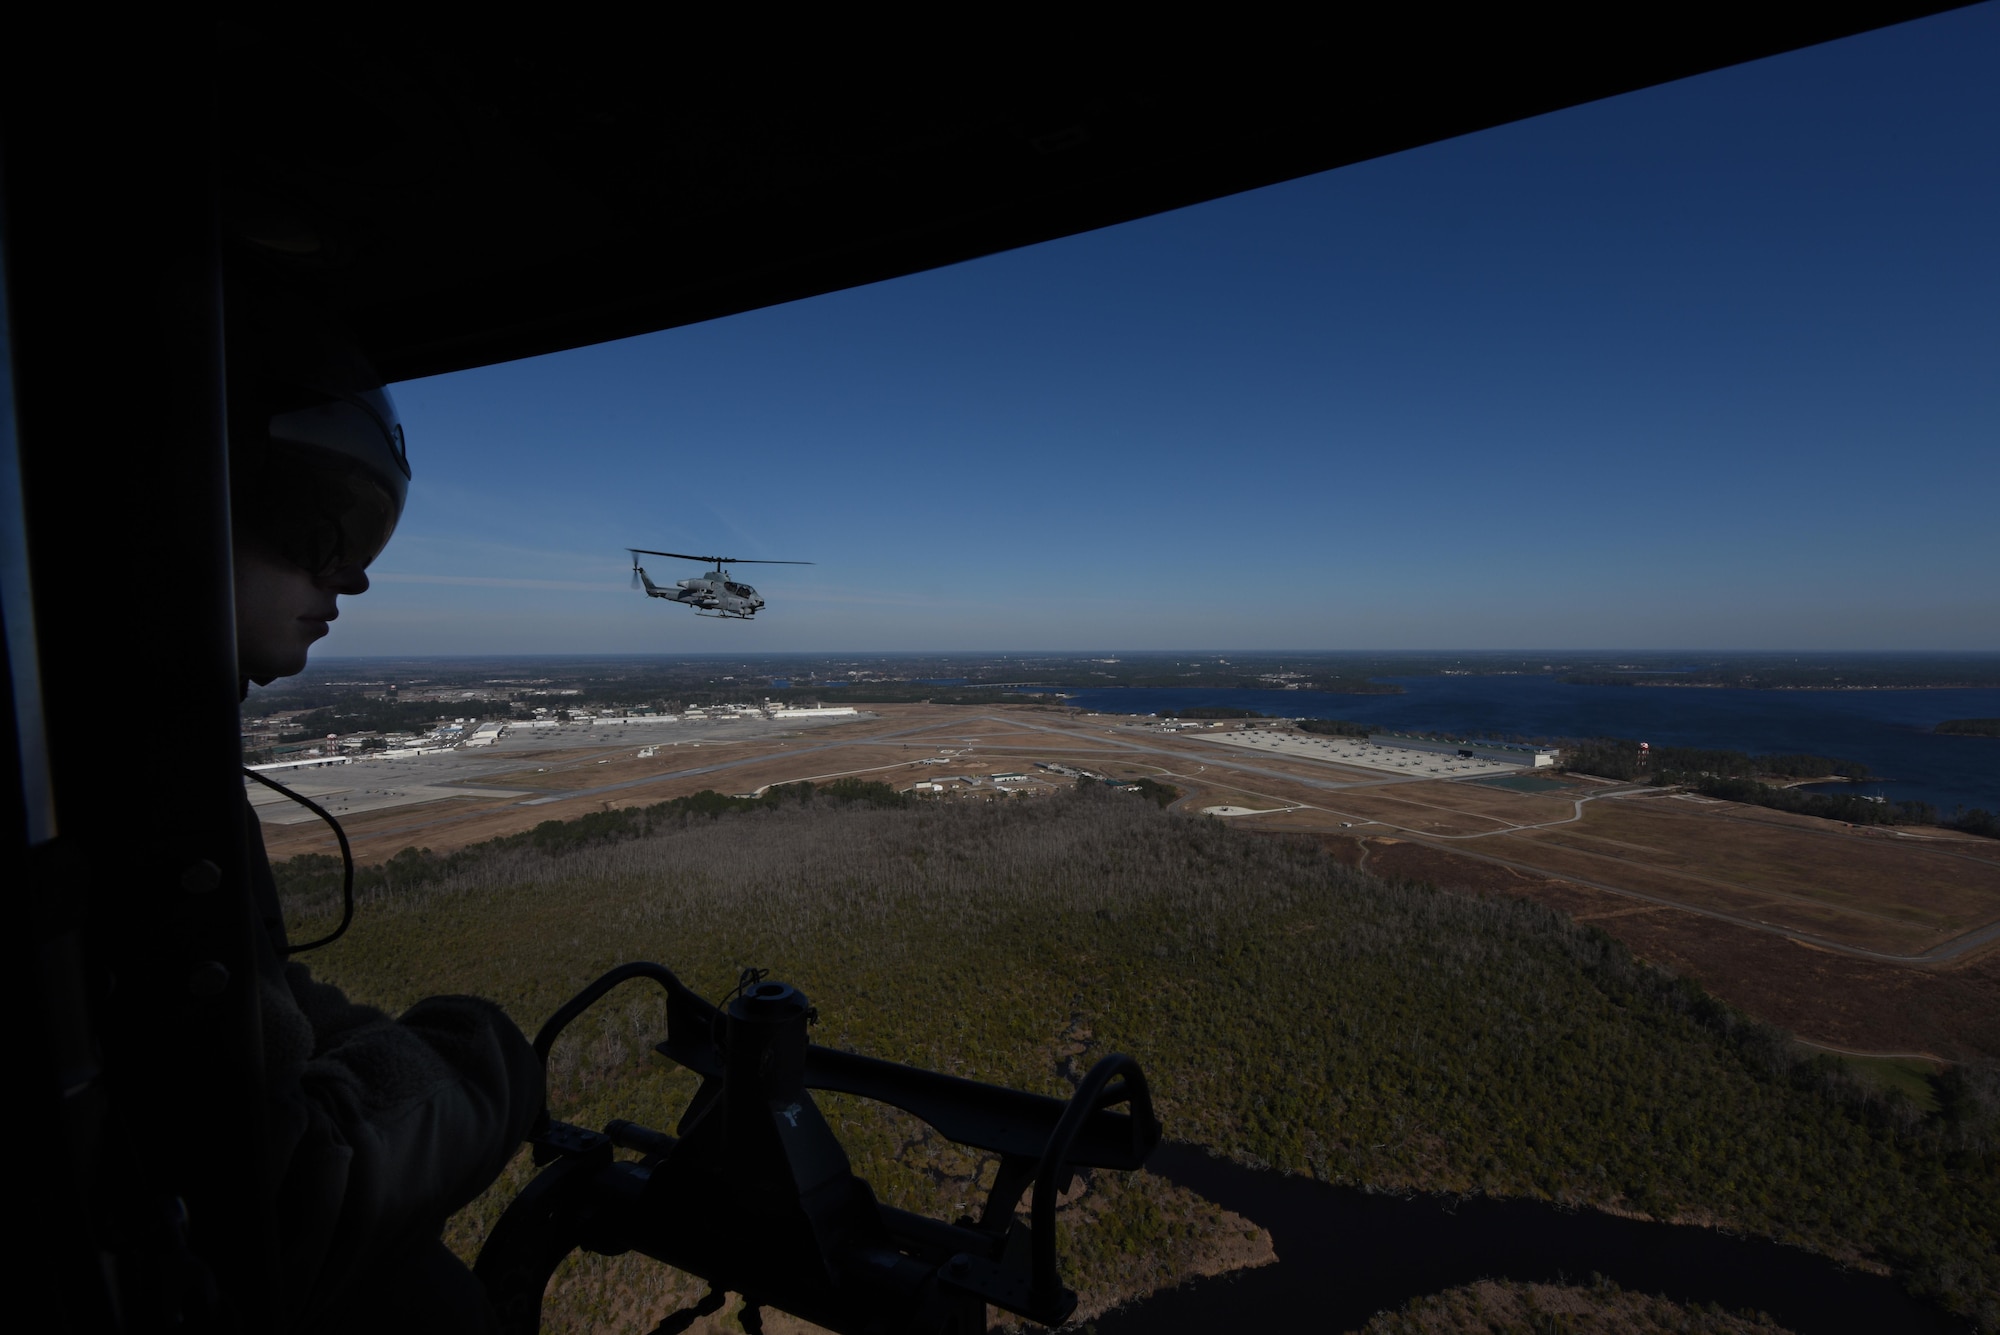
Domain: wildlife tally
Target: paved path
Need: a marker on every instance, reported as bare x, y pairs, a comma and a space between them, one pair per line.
1853, 1052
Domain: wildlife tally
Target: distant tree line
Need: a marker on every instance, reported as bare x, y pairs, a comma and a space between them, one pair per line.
356, 713
1618, 758
1853, 809
1973, 820
1849, 807
1160, 794
1733, 777
1231, 679
622, 823
316, 877
1969, 727
1842, 674
1333, 727
369, 714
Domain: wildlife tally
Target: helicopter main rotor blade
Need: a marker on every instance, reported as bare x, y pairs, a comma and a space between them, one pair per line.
718, 560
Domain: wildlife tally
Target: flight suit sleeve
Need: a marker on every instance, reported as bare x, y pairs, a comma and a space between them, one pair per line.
386, 1126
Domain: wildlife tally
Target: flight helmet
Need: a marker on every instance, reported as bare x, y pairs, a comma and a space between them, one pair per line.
318, 468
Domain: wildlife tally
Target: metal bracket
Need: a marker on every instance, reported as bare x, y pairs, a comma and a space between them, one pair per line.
565, 1140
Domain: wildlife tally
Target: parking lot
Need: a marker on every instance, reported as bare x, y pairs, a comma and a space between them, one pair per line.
1359, 753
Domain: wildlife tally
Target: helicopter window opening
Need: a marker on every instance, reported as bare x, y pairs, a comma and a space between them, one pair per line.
944, 531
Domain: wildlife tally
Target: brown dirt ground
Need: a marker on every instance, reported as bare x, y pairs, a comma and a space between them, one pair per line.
1900, 891
1951, 1012
1499, 805
1630, 871
1917, 892
1410, 811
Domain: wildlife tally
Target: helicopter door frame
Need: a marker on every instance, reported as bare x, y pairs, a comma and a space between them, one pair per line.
148, 1181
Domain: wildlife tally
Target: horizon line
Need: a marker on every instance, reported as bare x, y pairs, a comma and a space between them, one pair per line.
1074, 653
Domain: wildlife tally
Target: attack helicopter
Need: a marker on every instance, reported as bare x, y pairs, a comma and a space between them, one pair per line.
713, 593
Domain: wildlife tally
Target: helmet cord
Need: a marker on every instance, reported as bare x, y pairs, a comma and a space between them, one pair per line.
346, 862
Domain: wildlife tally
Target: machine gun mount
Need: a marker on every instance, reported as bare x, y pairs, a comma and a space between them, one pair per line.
756, 1196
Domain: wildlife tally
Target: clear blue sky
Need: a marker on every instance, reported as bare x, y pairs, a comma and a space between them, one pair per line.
1712, 365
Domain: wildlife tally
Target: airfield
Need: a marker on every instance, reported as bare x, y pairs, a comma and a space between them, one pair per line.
500, 772
1875, 940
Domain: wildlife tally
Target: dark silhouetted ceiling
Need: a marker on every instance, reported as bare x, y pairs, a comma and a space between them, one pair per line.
467, 196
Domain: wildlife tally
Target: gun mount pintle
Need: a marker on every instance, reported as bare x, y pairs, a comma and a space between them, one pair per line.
754, 1193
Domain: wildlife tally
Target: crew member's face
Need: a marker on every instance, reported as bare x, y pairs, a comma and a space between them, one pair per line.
281, 609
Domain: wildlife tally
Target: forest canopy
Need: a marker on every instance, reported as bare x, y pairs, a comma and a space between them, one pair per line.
1289, 1011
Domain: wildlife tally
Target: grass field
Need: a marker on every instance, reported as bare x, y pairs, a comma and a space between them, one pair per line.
1289, 1011
1911, 1077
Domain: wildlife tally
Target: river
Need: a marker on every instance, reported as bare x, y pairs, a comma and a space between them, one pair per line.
1345, 1255
1888, 731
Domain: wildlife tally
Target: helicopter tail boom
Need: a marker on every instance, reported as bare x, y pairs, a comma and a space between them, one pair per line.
640, 579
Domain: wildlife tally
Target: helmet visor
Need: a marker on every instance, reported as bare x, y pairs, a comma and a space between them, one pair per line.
322, 512
333, 482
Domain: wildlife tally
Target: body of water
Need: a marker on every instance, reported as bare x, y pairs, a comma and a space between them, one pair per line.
1344, 1255
1888, 731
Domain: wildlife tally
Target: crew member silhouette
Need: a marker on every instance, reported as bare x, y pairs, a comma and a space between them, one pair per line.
381, 1127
